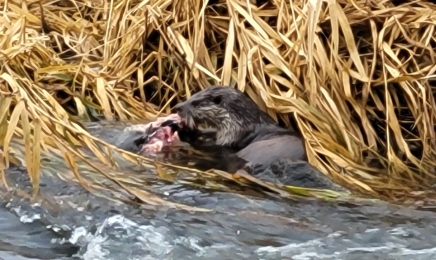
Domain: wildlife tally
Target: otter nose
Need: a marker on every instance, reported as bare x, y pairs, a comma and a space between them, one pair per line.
179, 107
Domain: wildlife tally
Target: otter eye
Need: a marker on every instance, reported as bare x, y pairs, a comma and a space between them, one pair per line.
217, 100
195, 103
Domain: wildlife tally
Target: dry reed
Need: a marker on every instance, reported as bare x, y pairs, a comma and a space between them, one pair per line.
357, 76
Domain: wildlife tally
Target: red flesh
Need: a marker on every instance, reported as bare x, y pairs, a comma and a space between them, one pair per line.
163, 137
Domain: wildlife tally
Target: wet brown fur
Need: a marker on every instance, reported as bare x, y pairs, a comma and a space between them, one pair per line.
241, 124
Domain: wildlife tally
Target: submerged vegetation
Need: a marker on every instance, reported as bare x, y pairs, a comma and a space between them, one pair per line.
356, 78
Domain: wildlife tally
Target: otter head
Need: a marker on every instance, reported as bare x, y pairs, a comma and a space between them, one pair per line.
228, 109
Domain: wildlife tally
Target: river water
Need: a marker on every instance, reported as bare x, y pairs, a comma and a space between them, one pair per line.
67, 222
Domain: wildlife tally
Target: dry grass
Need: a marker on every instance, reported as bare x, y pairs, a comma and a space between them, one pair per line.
357, 75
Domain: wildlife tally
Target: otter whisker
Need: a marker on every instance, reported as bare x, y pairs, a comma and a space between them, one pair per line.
190, 122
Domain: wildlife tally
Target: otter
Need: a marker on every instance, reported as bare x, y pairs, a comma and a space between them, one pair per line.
241, 125
244, 138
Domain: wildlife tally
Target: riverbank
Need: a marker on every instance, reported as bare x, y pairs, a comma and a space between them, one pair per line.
345, 75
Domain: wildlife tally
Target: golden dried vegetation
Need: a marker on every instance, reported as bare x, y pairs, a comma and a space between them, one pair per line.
357, 76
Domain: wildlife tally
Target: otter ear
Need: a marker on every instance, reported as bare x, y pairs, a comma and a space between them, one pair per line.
217, 100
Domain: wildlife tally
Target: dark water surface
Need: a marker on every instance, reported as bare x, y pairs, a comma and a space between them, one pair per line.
67, 222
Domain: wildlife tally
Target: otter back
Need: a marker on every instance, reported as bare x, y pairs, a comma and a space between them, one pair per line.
260, 154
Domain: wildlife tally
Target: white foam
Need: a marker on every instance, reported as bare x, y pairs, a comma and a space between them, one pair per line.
319, 248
